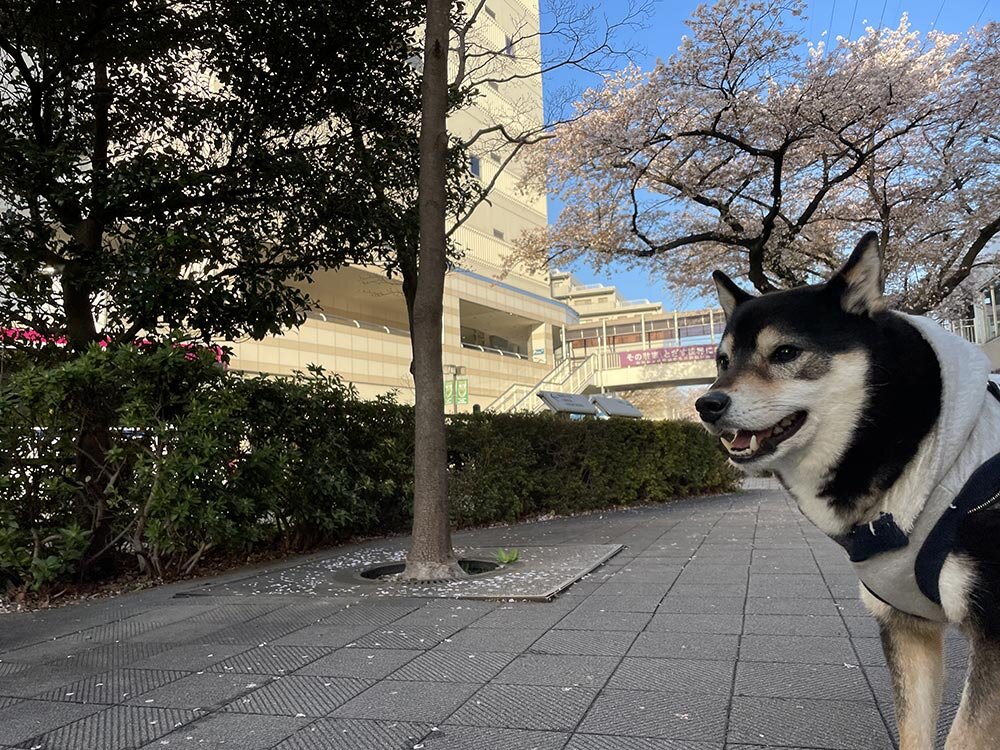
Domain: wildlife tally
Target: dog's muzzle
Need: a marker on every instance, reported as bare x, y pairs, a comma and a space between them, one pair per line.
712, 406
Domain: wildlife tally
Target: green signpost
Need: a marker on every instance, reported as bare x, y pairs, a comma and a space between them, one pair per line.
456, 391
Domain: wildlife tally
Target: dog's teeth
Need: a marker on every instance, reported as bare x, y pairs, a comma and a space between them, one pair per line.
727, 443
753, 443
777, 429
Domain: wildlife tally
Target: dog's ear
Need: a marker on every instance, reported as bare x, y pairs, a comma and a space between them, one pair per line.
730, 295
859, 282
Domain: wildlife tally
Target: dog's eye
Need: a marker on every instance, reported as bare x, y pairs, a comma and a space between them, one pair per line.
722, 361
784, 354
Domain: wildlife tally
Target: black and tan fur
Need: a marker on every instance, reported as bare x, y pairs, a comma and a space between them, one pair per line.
870, 388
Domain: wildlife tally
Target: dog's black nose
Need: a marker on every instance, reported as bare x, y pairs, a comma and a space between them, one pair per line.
712, 406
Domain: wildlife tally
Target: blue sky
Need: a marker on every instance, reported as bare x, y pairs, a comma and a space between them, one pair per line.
667, 27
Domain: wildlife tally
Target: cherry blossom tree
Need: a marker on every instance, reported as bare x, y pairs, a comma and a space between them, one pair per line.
754, 151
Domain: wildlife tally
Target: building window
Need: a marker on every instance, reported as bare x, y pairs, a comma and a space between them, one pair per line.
498, 234
508, 46
493, 85
474, 166
489, 11
495, 157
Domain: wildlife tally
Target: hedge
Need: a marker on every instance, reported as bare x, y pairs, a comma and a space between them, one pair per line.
204, 462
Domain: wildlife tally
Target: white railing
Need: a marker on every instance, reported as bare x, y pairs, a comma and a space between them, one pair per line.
569, 376
493, 350
516, 392
505, 401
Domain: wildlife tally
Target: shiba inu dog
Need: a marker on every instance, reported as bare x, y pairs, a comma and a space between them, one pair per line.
885, 429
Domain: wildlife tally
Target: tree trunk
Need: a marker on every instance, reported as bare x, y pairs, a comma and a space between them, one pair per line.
431, 554
92, 468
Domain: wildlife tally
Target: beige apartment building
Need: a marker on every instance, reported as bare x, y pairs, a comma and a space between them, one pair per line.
501, 325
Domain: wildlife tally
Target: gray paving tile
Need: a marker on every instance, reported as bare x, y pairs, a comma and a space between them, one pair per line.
49, 651
23, 720
232, 613
816, 625
558, 670
255, 632
191, 658
531, 616
118, 727
408, 701
356, 734
453, 666
300, 696
112, 687
778, 605
493, 639
180, 633
373, 613
819, 681
204, 691
369, 664
417, 637
700, 605
608, 742
271, 659
526, 707
797, 649
8, 668
804, 586
584, 643
37, 680
594, 620
322, 634
665, 645
862, 627
615, 588
676, 715
679, 623
596, 603
798, 722
696, 676
450, 737
714, 590
223, 731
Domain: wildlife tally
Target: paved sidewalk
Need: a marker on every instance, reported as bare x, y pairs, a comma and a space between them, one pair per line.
726, 623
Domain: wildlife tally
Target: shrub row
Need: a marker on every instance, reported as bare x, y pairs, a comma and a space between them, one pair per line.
200, 462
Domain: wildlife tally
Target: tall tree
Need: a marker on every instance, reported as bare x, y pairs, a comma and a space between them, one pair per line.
430, 554
182, 165
752, 151
576, 35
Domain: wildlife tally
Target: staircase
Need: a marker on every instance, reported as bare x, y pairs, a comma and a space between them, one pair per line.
569, 376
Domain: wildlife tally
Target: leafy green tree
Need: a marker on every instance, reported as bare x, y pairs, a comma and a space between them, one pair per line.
189, 165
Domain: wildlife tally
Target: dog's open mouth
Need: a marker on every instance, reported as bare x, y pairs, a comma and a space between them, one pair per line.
747, 445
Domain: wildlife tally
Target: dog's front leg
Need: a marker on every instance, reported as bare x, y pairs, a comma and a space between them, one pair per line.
914, 651
977, 724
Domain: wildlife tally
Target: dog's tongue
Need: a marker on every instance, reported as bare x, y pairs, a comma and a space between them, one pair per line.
742, 439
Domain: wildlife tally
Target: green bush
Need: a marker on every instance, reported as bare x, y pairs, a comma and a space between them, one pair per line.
198, 461
505, 467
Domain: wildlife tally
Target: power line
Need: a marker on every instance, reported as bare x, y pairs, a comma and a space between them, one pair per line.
830, 24
881, 15
934, 25
980, 16
853, 16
